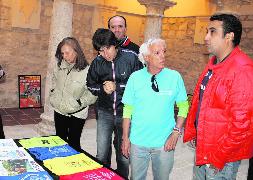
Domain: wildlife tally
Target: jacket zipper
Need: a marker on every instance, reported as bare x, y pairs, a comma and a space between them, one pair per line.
114, 92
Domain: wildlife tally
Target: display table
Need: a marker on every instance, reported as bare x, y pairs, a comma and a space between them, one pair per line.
47, 158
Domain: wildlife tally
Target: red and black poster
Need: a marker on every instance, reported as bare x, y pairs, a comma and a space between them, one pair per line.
29, 91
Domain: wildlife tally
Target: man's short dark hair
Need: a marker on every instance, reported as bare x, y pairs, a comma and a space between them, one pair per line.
116, 16
230, 24
103, 38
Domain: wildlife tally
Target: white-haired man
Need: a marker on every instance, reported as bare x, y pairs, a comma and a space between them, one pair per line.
149, 100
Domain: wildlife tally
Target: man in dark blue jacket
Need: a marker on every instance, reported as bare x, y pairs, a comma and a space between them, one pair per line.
107, 78
118, 25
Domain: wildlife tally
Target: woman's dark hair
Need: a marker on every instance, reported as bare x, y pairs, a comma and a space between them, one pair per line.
81, 61
230, 24
103, 38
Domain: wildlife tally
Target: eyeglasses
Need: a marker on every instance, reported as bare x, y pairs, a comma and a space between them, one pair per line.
154, 84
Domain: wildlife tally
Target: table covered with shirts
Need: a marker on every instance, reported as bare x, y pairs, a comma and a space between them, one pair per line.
48, 158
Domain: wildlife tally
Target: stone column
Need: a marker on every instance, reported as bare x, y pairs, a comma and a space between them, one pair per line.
61, 27
155, 12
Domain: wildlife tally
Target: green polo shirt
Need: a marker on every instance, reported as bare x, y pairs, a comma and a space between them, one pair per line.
153, 112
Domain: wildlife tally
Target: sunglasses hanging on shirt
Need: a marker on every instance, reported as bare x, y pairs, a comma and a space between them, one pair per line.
154, 84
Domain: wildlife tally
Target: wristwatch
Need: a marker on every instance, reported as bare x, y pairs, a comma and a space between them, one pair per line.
177, 129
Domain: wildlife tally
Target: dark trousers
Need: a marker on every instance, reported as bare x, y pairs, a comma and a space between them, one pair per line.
69, 128
250, 171
1, 129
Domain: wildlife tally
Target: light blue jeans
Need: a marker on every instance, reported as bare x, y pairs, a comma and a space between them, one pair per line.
227, 173
162, 162
107, 124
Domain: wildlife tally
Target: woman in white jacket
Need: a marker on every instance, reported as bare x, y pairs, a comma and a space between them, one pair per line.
69, 95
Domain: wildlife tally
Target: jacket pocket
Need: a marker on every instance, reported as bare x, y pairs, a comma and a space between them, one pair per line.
221, 94
74, 88
69, 105
54, 98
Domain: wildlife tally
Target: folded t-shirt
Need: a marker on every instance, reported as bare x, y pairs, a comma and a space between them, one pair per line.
43, 153
100, 173
48, 141
71, 164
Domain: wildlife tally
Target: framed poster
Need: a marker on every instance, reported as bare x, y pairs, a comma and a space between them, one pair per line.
29, 87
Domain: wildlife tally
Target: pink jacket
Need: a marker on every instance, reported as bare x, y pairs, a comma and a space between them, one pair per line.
225, 124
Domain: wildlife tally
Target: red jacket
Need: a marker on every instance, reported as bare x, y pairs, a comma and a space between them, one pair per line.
225, 124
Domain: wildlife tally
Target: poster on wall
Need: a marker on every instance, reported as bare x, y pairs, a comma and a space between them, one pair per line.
29, 91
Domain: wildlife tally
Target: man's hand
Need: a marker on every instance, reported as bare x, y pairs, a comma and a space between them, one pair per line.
192, 143
171, 141
109, 87
125, 147
216, 170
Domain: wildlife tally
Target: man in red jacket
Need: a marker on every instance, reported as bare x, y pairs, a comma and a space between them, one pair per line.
220, 119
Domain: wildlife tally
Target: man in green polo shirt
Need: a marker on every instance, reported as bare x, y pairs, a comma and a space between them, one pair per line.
149, 100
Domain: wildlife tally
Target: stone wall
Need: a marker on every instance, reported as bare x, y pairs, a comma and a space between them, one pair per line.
247, 35
82, 29
189, 58
182, 54
25, 51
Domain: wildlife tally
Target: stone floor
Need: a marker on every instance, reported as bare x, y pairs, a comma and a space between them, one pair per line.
23, 126
16, 116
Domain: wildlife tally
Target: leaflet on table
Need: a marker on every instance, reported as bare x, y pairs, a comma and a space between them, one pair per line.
12, 167
7, 143
14, 153
43, 175
71, 164
100, 173
43, 153
17, 160
48, 141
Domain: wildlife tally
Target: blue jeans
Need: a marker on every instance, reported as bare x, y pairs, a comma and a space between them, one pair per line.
227, 173
107, 123
162, 162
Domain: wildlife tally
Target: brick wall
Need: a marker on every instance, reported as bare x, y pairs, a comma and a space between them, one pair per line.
189, 58
82, 29
182, 54
247, 35
24, 51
